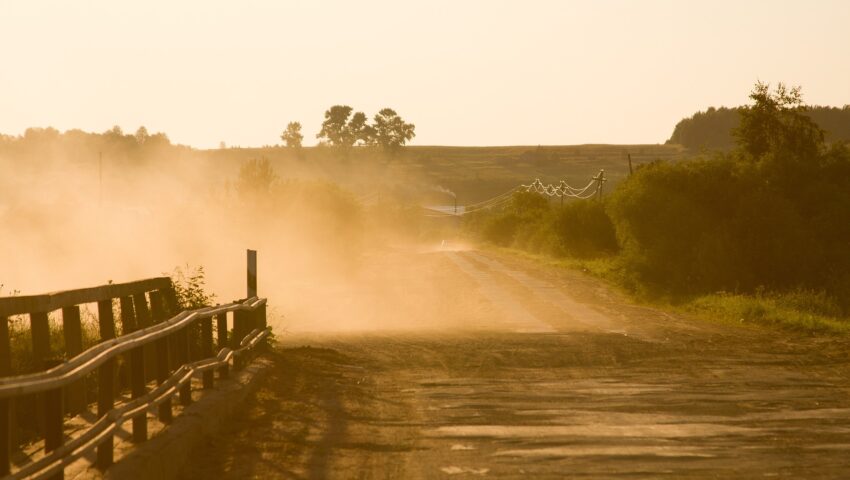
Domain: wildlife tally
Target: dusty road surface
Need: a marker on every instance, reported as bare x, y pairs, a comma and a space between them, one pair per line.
465, 364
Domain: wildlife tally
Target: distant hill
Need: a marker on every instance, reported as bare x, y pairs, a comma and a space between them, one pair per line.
712, 129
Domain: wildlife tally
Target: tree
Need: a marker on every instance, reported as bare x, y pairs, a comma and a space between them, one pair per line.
114, 132
360, 130
342, 130
141, 135
391, 132
335, 131
292, 135
776, 122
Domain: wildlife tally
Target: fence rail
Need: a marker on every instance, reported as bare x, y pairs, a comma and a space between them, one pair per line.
159, 358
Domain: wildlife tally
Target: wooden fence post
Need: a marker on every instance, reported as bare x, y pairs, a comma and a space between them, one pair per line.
105, 381
207, 349
73, 332
106, 320
5, 403
169, 296
262, 321
240, 321
40, 329
144, 320
221, 329
163, 362
182, 338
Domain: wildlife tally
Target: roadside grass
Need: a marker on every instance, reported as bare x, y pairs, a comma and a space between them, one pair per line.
771, 310
799, 311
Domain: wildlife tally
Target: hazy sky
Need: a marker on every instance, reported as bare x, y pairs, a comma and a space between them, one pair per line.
465, 72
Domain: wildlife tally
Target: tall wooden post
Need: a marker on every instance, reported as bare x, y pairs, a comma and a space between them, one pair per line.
252, 273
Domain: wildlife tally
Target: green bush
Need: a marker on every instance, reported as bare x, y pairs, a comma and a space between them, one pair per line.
774, 217
583, 228
580, 229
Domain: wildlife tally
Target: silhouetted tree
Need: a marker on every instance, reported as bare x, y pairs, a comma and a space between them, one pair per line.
341, 130
292, 135
776, 122
335, 131
141, 135
391, 132
361, 130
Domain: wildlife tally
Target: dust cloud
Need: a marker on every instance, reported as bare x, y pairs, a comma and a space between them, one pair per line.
331, 257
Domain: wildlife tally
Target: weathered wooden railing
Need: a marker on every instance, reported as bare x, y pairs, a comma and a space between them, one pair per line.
158, 342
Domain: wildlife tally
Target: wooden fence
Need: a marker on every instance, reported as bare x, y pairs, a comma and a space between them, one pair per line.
157, 353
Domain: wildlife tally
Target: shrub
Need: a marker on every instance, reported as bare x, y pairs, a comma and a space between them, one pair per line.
581, 228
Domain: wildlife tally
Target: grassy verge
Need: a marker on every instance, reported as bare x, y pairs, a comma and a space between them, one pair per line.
797, 311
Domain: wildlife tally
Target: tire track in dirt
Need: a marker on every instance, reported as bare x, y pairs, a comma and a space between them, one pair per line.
579, 314
516, 317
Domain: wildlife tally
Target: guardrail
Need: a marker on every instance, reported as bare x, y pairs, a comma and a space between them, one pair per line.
160, 349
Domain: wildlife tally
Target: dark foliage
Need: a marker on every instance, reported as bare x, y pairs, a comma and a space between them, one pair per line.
713, 128
774, 214
581, 228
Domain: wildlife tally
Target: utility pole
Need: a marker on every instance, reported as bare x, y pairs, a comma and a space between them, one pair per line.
630, 164
99, 179
600, 179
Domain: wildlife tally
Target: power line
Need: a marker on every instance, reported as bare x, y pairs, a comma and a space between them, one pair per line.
561, 190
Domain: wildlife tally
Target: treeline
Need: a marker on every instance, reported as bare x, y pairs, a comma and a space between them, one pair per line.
714, 128
39, 145
772, 215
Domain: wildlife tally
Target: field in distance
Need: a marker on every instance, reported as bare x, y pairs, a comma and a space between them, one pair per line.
474, 173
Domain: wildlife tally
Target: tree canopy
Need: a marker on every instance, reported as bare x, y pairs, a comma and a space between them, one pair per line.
338, 127
292, 135
391, 132
342, 129
776, 122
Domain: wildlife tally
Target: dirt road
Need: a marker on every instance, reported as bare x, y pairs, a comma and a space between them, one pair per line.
544, 374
